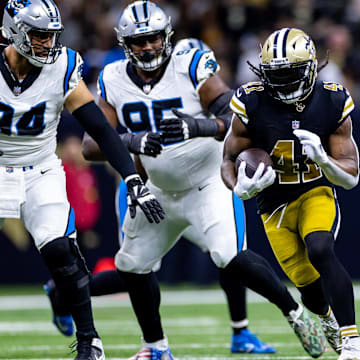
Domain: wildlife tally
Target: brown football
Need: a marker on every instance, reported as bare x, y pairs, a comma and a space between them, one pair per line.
253, 157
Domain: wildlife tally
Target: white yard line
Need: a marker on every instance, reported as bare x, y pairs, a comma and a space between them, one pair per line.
242, 357
136, 346
122, 300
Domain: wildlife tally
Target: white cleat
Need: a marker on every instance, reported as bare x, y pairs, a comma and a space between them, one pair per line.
350, 349
308, 331
331, 330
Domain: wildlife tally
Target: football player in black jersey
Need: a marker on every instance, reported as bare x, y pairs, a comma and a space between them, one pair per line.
305, 126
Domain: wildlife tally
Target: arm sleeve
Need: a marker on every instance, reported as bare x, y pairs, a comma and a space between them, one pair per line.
93, 120
220, 107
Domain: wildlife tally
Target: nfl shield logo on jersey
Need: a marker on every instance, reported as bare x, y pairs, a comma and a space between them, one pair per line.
295, 124
17, 90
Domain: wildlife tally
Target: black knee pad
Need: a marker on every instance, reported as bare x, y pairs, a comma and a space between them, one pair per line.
243, 261
320, 246
245, 265
64, 260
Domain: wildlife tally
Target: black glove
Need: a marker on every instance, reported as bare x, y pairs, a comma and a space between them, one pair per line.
147, 143
186, 127
139, 194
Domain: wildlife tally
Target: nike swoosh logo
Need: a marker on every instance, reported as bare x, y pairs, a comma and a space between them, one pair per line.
203, 187
42, 172
62, 327
99, 357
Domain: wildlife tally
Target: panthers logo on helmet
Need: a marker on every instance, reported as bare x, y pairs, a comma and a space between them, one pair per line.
211, 64
40, 15
144, 18
14, 6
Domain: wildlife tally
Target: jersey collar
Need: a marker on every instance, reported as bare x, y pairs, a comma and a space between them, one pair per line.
13, 83
145, 86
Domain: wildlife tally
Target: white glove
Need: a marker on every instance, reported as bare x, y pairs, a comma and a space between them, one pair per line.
246, 187
315, 151
312, 146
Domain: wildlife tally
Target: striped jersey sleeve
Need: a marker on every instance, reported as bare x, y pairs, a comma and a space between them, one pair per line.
238, 106
202, 66
348, 107
101, 90
341, 100
73, 74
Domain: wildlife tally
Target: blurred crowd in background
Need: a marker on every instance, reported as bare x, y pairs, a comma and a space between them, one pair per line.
234, 29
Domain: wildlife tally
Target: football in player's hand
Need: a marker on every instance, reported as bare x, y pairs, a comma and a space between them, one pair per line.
253, 157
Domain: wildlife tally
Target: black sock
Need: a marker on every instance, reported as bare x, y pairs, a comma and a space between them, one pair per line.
313, 297
336, 281
237, 331
256, 274
236, 298
145, 298
107, 282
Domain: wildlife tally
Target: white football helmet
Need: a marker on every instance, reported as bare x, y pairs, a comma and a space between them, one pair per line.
22, 17
144, 18
288, 65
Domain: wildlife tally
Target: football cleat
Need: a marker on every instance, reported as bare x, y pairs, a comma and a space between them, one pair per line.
62, 319
89, 349
331, 330
247, 342
149, 353
308, 331
350, 349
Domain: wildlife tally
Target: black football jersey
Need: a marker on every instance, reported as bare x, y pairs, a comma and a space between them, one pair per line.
271, 124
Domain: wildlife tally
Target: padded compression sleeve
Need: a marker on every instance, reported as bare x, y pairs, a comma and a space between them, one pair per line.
94, 122
126, 139
220, 107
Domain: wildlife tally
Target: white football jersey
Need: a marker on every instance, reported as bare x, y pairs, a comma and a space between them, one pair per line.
140, 107
30, 110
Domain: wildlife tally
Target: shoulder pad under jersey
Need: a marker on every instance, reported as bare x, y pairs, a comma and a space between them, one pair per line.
73, 74
200, 65
340, 98
245, 99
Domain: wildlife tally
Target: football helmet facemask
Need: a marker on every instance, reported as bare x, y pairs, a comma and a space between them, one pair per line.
143, 19
38, 18
288, 65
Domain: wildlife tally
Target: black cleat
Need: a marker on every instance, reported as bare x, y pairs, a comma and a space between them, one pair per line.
90, 349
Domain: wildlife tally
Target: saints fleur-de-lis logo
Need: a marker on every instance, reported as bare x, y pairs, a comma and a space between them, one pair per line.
309, 45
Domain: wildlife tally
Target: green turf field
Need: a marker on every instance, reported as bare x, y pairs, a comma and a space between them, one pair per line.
196, 323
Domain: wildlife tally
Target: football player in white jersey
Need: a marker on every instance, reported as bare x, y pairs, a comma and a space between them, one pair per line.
143, 93
38, 77
110, 282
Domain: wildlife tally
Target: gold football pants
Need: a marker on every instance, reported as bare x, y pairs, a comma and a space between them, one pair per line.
287, 226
